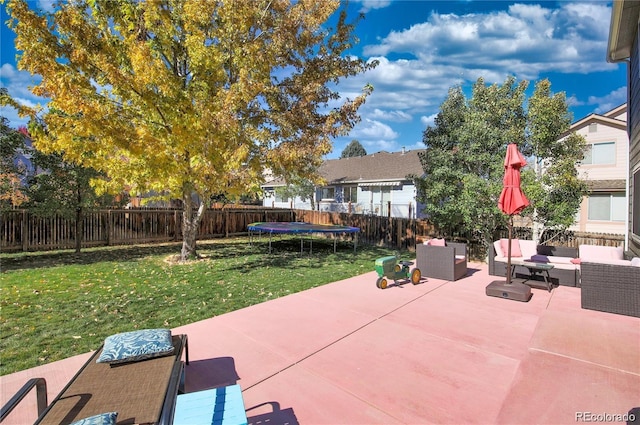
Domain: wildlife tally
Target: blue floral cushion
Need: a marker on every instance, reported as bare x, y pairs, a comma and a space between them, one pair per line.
136, 345
101, 419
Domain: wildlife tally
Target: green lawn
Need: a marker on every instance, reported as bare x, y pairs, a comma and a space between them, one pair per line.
58, 304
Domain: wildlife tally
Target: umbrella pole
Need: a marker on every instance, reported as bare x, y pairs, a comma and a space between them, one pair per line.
509, 251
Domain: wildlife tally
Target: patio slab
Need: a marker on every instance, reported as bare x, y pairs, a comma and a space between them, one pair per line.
436, 352
417, 377
553, 389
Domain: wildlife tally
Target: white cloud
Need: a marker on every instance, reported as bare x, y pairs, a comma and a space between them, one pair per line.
523, 41
371, 129
396, 116
428, 120
374, 146
449, 49
7, 71
18, 83
609, 101
418, 64
12, 116
368, 5
46, 5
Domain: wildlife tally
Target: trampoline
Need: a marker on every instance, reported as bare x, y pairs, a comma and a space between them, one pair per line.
294, 228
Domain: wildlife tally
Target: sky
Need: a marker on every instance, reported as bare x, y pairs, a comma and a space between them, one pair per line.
426, 47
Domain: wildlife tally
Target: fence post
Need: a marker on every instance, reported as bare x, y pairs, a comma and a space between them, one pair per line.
175, 225
24, 231
108, 230
226, 223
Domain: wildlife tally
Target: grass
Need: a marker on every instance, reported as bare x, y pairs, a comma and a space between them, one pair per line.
59, 304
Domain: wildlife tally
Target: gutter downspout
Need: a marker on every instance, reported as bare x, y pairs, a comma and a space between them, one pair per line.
612, 57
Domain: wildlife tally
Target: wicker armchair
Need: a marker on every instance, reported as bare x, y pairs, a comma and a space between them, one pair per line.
442, 262
611, 288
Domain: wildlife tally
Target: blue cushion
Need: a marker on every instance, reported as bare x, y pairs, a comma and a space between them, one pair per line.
137, 345
101, 419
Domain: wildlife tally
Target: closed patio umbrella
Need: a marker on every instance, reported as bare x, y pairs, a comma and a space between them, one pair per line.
512, 200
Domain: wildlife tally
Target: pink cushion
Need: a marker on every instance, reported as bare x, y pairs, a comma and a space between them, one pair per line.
596, 253
527, 247
437, 242
498, 248
576, 261
609, 261
515, 247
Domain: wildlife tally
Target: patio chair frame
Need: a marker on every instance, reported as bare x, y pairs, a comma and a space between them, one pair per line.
611, 288
147, 388
439, 262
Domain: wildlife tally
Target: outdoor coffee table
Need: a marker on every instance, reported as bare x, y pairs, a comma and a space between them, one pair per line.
535, 269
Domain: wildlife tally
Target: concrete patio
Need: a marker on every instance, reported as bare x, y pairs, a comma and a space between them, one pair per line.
437, 352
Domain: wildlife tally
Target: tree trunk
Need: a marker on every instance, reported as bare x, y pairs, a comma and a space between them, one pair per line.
79, 214
78, 229
536, 228
190, 225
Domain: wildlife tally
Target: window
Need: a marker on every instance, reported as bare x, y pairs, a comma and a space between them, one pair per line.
328, 193
607, 207
600, 153
350, 194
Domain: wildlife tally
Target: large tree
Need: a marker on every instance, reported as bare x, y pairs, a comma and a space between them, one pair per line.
464, 157
191, 97
13, 168
354, 148
59, 188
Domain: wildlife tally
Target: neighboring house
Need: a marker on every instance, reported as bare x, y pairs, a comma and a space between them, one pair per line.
374, 184
624, 46
604, 168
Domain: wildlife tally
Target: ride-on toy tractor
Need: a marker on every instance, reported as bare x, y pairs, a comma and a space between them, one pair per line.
394, 269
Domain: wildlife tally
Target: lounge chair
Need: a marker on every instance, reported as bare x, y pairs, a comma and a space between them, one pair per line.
442, 262
141, 392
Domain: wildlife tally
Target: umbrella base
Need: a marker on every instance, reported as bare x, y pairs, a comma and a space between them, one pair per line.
514, 291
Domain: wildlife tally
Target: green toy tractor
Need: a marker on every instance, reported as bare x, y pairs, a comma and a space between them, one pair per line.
390, 268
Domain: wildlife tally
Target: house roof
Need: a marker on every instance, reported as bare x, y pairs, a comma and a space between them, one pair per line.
375, 168
617, 111
622, 30
607, 118
607, 185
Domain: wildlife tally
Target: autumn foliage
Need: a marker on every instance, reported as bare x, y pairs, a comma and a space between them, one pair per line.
192, 98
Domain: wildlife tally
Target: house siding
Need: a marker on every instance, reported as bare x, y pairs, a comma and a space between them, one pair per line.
383, 182
606, 131
604, 134
634, 136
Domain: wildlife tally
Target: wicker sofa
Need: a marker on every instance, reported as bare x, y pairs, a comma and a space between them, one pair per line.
561, 274
443, 262
612, 288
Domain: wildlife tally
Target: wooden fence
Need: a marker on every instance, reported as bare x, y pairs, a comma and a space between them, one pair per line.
20, 231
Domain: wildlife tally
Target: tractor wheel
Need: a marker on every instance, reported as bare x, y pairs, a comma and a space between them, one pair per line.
382, 283
397, 268
415, 276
